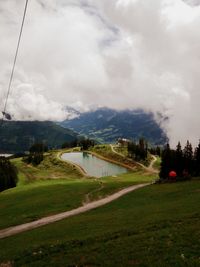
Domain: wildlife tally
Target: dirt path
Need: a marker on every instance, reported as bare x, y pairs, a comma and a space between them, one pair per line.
54, 218
150, 168
114, 151
88, 196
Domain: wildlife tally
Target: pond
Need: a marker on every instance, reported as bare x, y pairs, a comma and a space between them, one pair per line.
6, 155
92, 165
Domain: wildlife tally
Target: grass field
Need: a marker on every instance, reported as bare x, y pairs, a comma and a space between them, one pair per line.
50, 168
122, 150
56, 186
33, 201
155, 226
106, 151
156, 165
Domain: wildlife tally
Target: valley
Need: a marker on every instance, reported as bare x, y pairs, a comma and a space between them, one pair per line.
107, 125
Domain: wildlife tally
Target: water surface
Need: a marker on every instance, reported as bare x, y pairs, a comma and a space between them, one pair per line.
92, 165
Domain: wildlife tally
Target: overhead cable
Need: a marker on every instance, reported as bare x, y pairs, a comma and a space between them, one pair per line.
14, 63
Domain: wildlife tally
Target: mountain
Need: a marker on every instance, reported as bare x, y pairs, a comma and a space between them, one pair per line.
107, 125
18, 136
71, 113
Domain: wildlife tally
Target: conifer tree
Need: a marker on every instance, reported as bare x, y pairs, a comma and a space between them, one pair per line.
188, 158
165, 162
36, 155
158, 151
8, 174
197, 160
179, 160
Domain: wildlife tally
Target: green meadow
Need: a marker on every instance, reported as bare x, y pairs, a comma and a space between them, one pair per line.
153, 226
157, 163
56, 186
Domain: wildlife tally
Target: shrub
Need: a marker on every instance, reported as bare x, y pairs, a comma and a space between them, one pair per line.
8, 174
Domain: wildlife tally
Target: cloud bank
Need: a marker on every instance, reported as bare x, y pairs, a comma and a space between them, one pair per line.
117, 53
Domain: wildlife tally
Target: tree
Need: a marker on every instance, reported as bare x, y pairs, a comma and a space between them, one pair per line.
71, 144
142, 149
197, 160
184, 162
131, 149
165, 162
85, 144
138, 151
36, 155
188, 158
155, 151
8, 174
179, 160
158, 151
38, 148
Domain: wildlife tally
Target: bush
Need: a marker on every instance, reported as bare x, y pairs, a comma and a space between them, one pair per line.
34, 158
36, 155
70, 144
8, 174
85, 144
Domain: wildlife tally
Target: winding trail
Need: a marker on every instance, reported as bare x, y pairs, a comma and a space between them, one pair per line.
114, 151
87, 196
54, 218
150, 168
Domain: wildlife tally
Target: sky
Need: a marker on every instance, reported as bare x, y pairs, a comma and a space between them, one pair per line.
121, 54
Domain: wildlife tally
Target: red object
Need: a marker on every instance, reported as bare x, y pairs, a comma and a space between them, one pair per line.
172, 174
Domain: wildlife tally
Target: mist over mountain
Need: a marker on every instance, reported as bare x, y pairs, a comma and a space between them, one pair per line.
71, 113
107, 125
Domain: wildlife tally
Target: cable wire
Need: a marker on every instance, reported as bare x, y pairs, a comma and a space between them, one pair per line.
14, 63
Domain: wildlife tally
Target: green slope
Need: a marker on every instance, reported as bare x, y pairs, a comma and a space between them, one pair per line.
18, 136
55, 186
155, 226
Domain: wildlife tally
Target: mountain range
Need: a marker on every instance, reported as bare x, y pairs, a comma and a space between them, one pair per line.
107, 125
104, 125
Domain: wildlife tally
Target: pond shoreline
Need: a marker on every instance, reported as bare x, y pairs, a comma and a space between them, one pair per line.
111, 160
85, 172
79, 168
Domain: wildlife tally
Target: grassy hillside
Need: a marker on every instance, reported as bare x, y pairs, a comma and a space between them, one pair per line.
106, 152
55, 186
157, 163
50, 168
18, 136
36, 200
155, 226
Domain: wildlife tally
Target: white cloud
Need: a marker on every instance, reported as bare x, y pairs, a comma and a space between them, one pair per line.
192, 2
120, 54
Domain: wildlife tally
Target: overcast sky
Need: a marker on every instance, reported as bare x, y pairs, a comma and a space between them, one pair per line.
115, 53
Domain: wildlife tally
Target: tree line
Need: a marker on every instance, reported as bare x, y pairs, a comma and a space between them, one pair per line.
185, 162
138, 151
83, 143
36, 154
